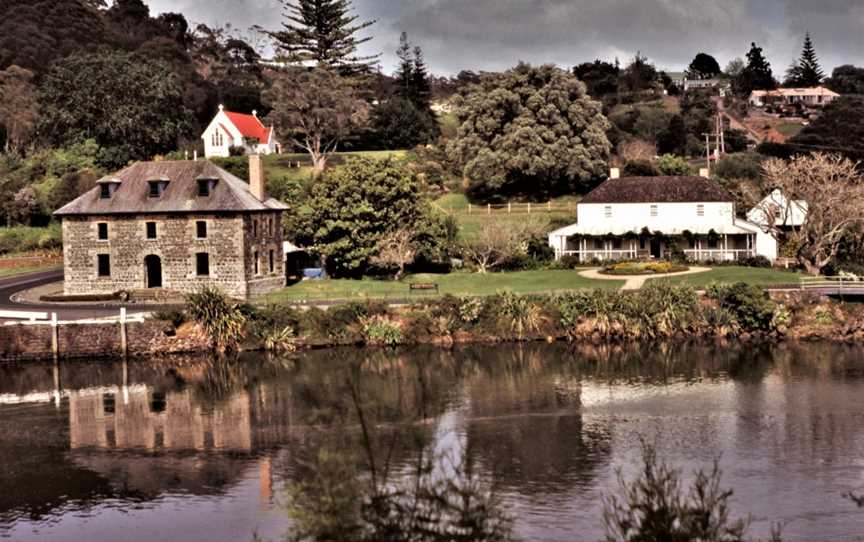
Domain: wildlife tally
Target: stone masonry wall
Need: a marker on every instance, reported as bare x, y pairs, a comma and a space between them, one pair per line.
232, 242
261, 239
76, 341
176, 245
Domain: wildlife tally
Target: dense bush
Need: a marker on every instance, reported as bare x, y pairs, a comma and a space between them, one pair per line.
643, 268
223, 320
657, 310
27, 239
751, 306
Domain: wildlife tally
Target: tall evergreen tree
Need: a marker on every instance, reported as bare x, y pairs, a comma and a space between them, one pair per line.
325, 32
757, 75
806, 72
405, 73
420, 82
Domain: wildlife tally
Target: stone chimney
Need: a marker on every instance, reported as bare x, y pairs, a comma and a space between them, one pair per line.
614, 173
257, 180
704, 172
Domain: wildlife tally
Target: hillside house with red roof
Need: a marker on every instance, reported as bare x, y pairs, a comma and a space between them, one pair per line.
229, 129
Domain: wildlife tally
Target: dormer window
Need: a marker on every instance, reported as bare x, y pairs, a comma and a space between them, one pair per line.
107, 189
205, 187
157, 188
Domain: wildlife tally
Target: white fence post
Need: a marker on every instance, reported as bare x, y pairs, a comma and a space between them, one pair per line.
55, 337
124, 347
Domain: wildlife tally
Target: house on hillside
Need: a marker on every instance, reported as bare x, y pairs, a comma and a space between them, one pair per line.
654, 217
174, 225
229, 129
721, 84
807, 97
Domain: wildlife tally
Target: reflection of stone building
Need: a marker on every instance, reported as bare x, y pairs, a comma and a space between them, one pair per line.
143, 419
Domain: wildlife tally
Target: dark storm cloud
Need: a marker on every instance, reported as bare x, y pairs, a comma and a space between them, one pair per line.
495, 34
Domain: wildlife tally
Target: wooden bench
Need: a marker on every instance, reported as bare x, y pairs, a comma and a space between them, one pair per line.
423, 286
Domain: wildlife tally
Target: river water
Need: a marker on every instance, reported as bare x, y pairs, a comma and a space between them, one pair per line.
189, 449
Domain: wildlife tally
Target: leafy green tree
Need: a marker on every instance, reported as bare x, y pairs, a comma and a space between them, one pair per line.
704, 66
19, 107
652, 122
33, 33
846, 79
756, 75
673, 140
398, 124
420, 82
806, 72
601, 78
639, 76
324, 32
133, 107
314, 110
531, 131
669, 164
840, 129
352, 210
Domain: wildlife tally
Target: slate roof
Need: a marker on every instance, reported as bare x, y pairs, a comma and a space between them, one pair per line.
230, 194
679, 189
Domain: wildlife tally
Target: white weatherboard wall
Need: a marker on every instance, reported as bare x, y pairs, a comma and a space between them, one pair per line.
671, 219
231, 137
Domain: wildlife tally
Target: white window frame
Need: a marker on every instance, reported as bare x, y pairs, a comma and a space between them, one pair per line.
700, 209
607, 211
655, 211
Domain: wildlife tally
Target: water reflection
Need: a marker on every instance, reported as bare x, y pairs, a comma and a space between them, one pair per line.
543, 426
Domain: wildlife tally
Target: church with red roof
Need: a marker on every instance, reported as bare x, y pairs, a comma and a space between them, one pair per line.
229, 129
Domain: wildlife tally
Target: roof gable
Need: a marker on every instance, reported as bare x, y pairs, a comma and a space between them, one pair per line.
230, 194
677, 189
249, 126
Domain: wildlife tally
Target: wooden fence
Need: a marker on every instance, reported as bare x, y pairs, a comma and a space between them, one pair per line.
521, 208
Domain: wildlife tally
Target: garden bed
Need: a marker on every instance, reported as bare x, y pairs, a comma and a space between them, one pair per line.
643, 268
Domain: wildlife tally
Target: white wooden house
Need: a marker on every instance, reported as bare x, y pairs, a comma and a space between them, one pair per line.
229, 129
775, 215
650, 217
810, 97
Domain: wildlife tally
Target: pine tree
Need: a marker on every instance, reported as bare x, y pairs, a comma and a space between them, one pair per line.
323, 31
757, 75
806, 72
405, 73
420, 82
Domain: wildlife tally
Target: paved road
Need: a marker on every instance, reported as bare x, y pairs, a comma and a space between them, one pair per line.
12, 285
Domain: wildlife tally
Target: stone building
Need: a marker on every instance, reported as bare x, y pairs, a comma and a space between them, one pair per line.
174, 225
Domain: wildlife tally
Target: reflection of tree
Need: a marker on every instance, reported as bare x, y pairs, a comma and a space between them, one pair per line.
344, 496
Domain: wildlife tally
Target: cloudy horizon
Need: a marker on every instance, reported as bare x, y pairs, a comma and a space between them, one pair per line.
495, 34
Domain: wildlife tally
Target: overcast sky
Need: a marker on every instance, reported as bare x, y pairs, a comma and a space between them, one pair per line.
495, 34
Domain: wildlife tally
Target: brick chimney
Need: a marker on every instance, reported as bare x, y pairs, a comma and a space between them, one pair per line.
257, 178
614, 173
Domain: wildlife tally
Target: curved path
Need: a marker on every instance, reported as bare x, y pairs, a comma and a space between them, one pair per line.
634, 282
12, 285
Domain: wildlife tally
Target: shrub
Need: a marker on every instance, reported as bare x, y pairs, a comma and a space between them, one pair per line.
752, 307
221, 319
657, 310
756, 261
280, 340
380, 330
470, 309
643, 268
522, 314
27, 239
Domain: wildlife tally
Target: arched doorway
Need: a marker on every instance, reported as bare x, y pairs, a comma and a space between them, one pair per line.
153, 271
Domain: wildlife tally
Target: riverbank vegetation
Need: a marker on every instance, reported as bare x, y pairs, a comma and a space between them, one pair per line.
658, 311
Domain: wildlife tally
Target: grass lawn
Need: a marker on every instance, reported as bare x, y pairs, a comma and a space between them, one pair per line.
790, 129
15, 271
282, 165
453, 283
750, 275
471, 223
